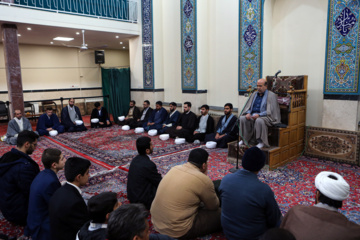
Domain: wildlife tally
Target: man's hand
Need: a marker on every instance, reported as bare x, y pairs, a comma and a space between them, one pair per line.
49, 129
255, 116
108, 122
217, 136
164, 125
126, 118
248, 116
178, 127
195, 132
101, 123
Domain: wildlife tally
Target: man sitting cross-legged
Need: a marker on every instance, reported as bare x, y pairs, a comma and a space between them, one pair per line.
171, 119
143, 177
205, 125
144, 116
157, 118
100, 207
17, 171
129, 222
68, 211
225, 129
186, 205
186, 123
42, 188
48, 122
69, 115
323, 221
17, 125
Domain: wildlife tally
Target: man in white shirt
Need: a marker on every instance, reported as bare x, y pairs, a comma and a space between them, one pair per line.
17, 125
205, 125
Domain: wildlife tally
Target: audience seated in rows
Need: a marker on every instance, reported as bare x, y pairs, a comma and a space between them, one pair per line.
171, 119
42, 188
99, 206
144, 116
48, 122
102, 114
204, 126
186, 123
157, 118
17, 125
17, 172
143, 176
186, 205
261, 111
248, 205
68, 211
323, 221
132, 116
69, 115
225, 129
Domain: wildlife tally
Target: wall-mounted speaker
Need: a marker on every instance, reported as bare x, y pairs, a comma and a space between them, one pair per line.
99, 57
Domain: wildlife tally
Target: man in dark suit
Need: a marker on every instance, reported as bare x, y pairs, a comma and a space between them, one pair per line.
68, 211
186, 124
133, 114
157, 118
42, 188
69, 114
205, 125
48, 122
17, 171
225, 130
144, 116
102, 114
171, 119
143, 177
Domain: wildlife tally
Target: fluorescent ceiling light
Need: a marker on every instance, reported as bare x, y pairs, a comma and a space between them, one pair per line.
51, 42
116, 36
77, 33
29, 28
121, 42
123, 47
66, 39
19, 35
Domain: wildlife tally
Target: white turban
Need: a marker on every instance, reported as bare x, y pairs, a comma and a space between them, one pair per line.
337, 189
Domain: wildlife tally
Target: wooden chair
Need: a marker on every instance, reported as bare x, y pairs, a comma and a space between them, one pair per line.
287, 143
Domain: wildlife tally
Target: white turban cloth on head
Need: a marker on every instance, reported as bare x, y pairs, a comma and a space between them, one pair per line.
337, 189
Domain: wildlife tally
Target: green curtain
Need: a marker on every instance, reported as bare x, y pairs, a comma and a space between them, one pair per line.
116, 84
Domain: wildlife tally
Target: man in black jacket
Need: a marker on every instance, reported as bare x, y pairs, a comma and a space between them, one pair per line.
186, 124
143, 177
69, 114
144, 116
67, 208
100, 113
205, 125
17, 171
225, 129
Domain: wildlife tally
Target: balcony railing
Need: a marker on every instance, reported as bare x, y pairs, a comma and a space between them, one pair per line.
120, 10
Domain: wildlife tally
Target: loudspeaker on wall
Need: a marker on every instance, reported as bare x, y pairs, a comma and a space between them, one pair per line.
99, 57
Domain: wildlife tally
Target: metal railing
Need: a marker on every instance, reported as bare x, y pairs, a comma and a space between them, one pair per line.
119, 10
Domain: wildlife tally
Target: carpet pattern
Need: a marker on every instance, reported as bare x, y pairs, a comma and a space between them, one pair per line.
333, 144
292, 184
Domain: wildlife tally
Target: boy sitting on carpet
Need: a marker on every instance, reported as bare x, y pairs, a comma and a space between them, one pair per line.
99, 207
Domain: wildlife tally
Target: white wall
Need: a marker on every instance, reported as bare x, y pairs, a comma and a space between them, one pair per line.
298, 47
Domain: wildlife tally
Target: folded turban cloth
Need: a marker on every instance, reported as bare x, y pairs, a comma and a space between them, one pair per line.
332, 185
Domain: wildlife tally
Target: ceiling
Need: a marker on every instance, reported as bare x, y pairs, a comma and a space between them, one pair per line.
43, 35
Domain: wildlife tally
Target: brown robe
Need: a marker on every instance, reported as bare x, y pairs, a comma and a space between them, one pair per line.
315, 223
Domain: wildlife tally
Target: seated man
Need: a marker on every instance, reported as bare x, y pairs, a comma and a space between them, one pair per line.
133, 114
248, 206
185, 125
157, 118
323, 220
102, 114
171, 119
205, 125
186, 205
17, 171
144, 116
67, 208
129, 222
225, 129
143, 176
69, 114
99, 207
17, 125
261, 111
42, 188
48, 122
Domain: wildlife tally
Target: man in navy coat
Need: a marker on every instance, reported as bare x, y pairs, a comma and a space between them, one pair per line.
48, 122
171, 119
157, 118
17, 171
69, 114
42, 189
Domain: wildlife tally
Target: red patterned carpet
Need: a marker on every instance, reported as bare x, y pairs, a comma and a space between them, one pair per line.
111, 150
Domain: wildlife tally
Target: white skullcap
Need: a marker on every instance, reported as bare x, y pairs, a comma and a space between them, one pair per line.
337, 189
